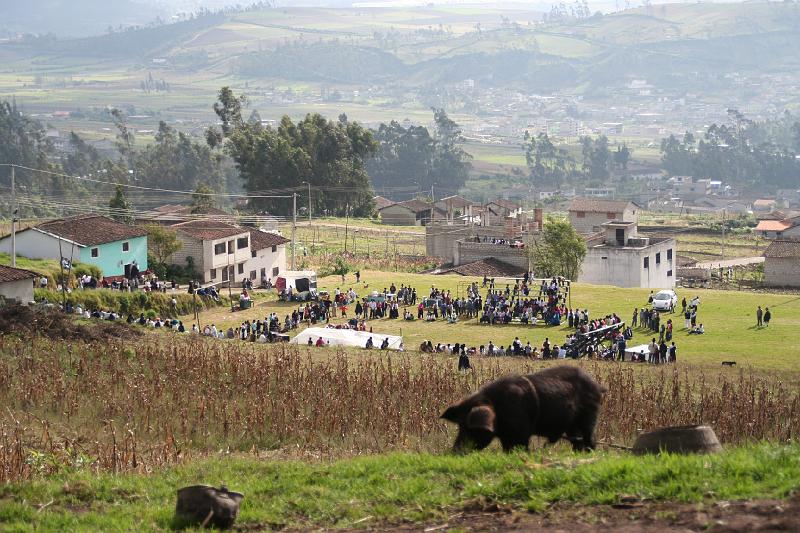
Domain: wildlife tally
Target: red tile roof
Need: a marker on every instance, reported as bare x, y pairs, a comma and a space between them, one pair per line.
783, 248
260, 240
416, 205
773, 225
90, 230
208, 229
381, 202
8, 273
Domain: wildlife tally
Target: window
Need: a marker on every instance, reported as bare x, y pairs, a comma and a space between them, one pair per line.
241, 268
647, 262
669, 273
224, 273
252, 274
253, 253
580, 214
126, 247
658, 258
263, 273
213, 273
611, 215
219, 248
274, 249
95, 252
242, 242
669, 254
275, 271
230, 247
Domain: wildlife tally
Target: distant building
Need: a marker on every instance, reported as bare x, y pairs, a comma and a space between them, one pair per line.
620, 257
90, 239
16, 284
587, 215
496, 211
764, 204
175, 213
599, 192
410, 213
782, 263
456, 208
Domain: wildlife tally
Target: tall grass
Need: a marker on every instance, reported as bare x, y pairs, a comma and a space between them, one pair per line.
109, 407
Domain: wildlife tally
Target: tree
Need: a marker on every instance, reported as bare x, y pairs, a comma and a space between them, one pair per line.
122, 207
202, 201
550, 165
23, 142
162, 242
328, 154
558, 251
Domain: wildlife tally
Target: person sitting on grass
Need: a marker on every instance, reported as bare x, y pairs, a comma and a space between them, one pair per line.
369, 344
385, 343
320, 342
699, 330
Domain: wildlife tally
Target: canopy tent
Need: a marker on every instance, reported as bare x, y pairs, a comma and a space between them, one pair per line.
299, 280
347, 337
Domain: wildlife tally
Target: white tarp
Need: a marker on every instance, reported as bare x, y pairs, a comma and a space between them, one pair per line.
346, 337
638, 350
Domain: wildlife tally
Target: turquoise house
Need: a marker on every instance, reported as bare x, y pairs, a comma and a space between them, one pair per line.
90, 239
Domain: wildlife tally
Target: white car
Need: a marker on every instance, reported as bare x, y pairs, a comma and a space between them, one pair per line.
665, 300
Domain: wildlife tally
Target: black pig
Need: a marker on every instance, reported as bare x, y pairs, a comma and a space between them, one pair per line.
556, 402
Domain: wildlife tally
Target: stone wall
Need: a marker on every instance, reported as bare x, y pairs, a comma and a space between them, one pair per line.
441, 239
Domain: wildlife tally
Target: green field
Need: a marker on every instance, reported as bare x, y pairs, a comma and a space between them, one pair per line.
379, 491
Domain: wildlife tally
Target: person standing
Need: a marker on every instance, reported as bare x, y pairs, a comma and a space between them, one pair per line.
767, 316
635, 319
759, 317
662, 352
673, 352
653, 351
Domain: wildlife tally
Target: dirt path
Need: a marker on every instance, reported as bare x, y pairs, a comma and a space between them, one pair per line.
739, 261
630, 516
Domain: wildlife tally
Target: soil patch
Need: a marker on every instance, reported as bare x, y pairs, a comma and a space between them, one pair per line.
49, 322
629, 516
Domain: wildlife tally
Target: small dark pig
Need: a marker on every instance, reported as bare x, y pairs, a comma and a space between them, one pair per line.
556, 402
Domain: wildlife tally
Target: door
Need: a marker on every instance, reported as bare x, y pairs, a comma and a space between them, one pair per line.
620, 237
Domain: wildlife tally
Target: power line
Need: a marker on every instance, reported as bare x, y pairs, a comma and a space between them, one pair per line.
140, 187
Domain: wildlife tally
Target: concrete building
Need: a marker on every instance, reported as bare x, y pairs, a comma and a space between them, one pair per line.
782, 263
587, 215
16, 284
89, 239
620, 257
222, 252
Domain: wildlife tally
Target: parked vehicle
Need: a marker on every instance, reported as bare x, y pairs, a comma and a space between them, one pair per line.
665, 300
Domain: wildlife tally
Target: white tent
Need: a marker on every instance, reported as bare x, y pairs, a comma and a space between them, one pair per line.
347, 337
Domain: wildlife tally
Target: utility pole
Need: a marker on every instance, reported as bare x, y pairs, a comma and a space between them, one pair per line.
723, 234
309, 202
13, 220
294, 223
346, 220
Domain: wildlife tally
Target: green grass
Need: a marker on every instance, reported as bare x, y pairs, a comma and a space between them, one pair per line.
48, 267
396, 487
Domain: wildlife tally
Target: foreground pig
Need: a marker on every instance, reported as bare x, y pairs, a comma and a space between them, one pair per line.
560, 401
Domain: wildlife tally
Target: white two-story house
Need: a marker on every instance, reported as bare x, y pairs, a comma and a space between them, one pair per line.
223, 252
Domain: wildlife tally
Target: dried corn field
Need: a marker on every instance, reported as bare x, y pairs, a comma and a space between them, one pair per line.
112, 407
